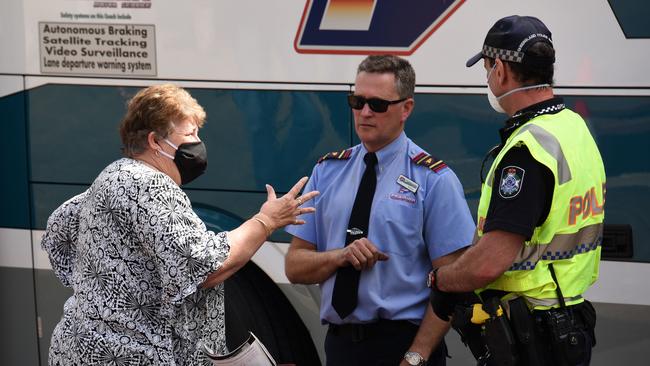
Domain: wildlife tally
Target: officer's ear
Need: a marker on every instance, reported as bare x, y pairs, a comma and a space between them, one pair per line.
500, 73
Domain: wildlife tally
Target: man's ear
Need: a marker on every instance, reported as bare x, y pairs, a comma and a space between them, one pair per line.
500, 71
407, 109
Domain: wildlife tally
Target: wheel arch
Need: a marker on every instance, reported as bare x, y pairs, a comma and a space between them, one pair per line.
287, 321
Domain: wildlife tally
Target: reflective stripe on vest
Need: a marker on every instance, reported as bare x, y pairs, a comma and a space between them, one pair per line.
552, 146
549, 303
563, 246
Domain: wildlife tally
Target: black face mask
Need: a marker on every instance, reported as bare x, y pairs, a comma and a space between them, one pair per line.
191, 159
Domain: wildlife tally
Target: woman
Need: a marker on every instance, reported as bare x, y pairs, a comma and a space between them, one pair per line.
147, 275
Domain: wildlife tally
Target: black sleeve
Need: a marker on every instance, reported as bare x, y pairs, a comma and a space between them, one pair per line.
522, 192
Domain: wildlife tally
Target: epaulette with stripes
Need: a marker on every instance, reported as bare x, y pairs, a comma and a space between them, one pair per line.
343, 154
429, 161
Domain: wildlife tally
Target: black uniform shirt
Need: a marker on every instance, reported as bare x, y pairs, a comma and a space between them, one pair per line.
522, 189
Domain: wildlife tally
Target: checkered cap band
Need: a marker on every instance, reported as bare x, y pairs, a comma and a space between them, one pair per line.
505, 55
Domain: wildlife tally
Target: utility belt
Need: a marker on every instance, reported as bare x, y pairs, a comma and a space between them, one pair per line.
379, 328
523, 337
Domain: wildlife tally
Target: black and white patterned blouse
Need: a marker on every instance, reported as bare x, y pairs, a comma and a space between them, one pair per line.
135, 255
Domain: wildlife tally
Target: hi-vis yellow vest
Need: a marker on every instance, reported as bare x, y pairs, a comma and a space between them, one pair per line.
570, 237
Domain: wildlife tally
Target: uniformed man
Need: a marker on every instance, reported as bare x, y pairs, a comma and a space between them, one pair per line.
388, 213
540, 216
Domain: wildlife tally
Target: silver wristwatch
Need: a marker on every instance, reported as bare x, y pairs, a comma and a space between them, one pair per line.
414, 358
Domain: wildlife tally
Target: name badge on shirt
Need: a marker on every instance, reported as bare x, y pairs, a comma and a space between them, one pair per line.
408, 184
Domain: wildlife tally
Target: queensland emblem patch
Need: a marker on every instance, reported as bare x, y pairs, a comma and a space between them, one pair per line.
512, 178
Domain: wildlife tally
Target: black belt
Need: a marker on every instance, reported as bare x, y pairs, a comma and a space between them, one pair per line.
359, 332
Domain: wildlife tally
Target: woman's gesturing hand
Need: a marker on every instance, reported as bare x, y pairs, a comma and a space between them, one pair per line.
283, 211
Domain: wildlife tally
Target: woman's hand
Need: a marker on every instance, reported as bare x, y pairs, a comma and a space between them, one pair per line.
283, 211
246, 239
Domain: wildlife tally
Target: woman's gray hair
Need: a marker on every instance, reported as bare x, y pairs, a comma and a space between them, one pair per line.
399, 67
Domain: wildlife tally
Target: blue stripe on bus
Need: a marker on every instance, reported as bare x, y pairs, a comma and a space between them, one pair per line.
14, 195
253, 137
265, 136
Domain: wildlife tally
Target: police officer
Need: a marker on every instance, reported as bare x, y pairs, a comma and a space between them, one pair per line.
416, 217
540, 216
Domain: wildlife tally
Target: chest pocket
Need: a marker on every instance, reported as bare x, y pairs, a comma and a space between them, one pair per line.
401, 223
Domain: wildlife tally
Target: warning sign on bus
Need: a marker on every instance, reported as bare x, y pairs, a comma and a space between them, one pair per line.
97, 49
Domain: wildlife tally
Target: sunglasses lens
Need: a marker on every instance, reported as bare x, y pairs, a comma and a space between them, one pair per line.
378, 105
356, 102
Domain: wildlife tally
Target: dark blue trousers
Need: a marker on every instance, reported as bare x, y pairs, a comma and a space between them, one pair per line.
380, 343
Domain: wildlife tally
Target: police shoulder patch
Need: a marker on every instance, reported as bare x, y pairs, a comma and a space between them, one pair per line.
512, 179
428, 161
341, 155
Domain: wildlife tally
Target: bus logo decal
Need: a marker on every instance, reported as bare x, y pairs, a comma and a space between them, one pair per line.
365, 27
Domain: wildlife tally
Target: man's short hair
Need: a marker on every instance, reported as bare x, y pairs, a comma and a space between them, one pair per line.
399, 67
531, 75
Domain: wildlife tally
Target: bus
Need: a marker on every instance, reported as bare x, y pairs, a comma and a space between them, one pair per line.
273, 78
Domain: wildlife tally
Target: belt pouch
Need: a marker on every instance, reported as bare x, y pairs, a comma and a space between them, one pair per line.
498, 336
567, 340
525, 329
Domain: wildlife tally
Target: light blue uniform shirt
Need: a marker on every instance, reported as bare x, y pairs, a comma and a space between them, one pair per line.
412, 228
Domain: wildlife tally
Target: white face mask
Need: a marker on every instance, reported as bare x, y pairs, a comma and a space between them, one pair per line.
494, 100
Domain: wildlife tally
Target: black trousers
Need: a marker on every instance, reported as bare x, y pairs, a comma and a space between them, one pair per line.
380, 343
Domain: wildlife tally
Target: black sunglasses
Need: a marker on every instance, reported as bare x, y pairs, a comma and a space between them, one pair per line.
377, 105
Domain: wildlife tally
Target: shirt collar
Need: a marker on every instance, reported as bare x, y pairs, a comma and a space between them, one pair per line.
549, 106
544, 105
388, 153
